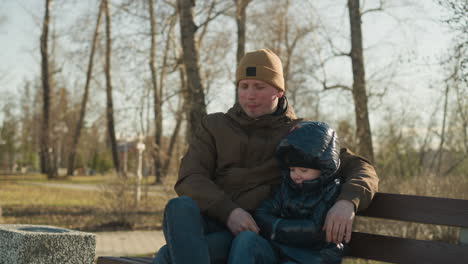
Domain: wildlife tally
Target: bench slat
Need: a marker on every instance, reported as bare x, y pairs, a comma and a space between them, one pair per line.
123, 260
143, 260
420, 209
405, 250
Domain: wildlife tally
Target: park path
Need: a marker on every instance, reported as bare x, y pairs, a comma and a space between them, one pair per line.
75, 186
86, 187
128, 243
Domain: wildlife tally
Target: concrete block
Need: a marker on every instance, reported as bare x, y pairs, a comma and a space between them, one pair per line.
463, 238
33, 244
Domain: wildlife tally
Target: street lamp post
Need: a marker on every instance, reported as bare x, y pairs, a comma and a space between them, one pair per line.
60, 130
125, 155
140, 148
123, 147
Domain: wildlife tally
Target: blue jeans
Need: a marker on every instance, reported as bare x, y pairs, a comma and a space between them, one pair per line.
192, 237
249, 248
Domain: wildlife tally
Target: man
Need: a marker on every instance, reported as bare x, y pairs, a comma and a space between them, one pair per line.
230, 168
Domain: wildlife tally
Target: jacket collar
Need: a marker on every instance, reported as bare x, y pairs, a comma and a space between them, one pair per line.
315, 186
283, 114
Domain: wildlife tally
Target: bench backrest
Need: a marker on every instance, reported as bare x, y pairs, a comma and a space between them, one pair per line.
411, 208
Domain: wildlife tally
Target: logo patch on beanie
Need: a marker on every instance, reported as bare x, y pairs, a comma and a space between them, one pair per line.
251, 71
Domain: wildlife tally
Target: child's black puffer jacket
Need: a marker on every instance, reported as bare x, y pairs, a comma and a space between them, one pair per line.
294, 217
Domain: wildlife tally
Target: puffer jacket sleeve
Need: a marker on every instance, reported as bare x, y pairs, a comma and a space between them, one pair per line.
303, 233
268, 214
196, 175
360, 179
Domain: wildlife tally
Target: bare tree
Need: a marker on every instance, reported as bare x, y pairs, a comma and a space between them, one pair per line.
195, 91
443, 131
241, 20
157, 92
453, 137
175, 133
110, 105
457, 21
211, 9
364, 145
9, 135
363, 133
45, 149
457, 80
158, 88
212, 49
288, 37
84, 101
172, 45
461, 109
3, 19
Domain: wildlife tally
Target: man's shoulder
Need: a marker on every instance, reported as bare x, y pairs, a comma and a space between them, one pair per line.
346, 155
215, 118
215, 121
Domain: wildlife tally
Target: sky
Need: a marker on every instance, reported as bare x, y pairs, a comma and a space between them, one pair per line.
19, 40
420, 42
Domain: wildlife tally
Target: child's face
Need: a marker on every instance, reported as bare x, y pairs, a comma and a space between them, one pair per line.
300, 174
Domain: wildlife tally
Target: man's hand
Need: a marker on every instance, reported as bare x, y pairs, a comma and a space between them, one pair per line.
339, 222
240, 220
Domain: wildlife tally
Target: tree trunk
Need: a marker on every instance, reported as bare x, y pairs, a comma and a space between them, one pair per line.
110, 104
179, 119
363, 133
157, 97
241, 18
440, 149
84, 101
195, 91
173, 141
45, 148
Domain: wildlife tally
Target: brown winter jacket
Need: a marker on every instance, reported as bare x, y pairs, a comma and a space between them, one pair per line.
230, 163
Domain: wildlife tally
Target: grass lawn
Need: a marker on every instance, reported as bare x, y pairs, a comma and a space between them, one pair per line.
111, 207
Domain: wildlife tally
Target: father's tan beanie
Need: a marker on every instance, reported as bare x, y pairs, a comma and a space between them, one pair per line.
263, 65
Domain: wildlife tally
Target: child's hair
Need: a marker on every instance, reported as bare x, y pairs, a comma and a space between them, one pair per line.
313, 145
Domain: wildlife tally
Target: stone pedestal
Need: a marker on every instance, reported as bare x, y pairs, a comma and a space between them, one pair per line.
32, 244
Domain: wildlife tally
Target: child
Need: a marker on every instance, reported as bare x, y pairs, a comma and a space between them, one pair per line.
292, 220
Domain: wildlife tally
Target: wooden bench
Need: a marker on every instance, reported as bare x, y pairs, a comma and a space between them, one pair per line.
418, 209
409, 208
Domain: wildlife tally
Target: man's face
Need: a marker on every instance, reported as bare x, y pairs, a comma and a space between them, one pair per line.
258, 98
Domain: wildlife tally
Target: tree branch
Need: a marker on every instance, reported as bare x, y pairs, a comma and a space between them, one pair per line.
209, 19
336, 86
334, 50
170, 3
377, 9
